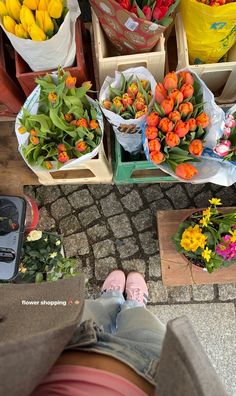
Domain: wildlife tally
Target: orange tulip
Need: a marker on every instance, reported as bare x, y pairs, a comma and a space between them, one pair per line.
82, 122
174, 116
48, 165
187, 77
167, 105
107, 104
166, 125
126, 100
202, 120
154, 145
152, 119
172, 139
63, 157
176, 95
187, 90
170, 81
33, 132
160, 93
81, 146
151, 132
93, 124
61, 147
157, 157
181, 128
186, 108
139, 104
52, 97
192, 124
196, 147
133, 89
68, 117
34, 140
70, 82
185, 171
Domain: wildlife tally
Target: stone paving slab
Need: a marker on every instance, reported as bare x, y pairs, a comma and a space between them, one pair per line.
215, 327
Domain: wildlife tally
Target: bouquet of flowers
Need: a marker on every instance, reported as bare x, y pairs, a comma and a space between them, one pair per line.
176, 127
59, 124
226, 145
208, 237
42, 259
41, 31
125, 100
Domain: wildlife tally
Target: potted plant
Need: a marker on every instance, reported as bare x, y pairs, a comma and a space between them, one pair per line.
207, 238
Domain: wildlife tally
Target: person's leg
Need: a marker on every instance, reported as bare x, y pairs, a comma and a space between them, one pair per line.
104, 309
134, 320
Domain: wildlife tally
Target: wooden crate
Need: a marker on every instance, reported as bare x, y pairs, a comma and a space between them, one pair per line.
219, 77
98, 170
108, 62
174, 267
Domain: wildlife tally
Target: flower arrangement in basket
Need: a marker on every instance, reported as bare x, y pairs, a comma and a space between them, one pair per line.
226, 145
207, 238
42, 259
176, 127
59, 124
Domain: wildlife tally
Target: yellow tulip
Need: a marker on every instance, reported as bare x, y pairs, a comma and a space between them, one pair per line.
55, 8
21, 32
3, 8
26, 17
31, 4
9, 24
44, 21
36, 33
13, 8
43, 5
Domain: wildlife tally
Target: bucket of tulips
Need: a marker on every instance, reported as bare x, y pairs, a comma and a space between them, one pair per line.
41, 31
59, 126
125, 101
134, 26
207, 238
182, 118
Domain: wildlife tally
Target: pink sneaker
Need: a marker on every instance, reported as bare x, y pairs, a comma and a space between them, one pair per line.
115, 281
136, 288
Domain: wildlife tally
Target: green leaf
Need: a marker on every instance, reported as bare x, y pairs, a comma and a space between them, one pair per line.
58, 122
36, 152
166, 21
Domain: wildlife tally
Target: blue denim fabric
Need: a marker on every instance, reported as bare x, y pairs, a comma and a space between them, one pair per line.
122, 329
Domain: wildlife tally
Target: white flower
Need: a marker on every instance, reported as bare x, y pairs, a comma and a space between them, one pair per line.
34, 235
58, 242
45, 239
52, 255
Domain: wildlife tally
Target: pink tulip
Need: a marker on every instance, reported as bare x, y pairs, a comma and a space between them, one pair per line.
227, 132
223, 148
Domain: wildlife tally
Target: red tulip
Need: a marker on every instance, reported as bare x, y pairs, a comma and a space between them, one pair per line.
147, 12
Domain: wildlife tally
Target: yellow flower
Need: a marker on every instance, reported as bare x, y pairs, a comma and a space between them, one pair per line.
233, 238
43, 5
207, 213
31, 4
13, 8
55, 8
53, 255
9, 24
204, 221
22, 33
22, 269
3, 8
36, 33
26, 17
215, 201
192, 239
206, 254
22, 130
44, 21
34, 235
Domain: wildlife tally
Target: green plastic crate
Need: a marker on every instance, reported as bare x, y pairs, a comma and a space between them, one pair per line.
134, 169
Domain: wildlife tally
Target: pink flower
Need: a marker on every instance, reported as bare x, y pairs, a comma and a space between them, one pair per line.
159, 12
227, 132
230, 121
222, 148
147, 12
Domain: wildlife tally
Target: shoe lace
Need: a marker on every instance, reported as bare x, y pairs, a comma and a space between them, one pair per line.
112, 288
135, 294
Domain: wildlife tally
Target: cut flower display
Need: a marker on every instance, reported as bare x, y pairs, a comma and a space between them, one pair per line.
67, 125
208, 237
176, 127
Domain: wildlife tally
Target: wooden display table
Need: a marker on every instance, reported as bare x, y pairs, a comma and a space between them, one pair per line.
174, 267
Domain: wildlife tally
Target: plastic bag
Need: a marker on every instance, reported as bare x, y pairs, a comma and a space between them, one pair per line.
31, 105
128, 132
207, 170
58, 51
211, 31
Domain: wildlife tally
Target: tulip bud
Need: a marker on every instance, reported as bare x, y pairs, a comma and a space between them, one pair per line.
185, 171
36, 33
160, 93
31, 4
3, 8
9, 24
26, 17
44, 21
157, 157
13, 8
21, 32
170, 81
55, 8
43, 5
196, 147
154, 145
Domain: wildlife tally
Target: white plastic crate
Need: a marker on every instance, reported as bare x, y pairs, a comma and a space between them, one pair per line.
107, 62
98, 170
217, 76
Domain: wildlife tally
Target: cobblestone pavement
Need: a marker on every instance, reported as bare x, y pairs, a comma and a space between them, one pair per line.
107, 227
